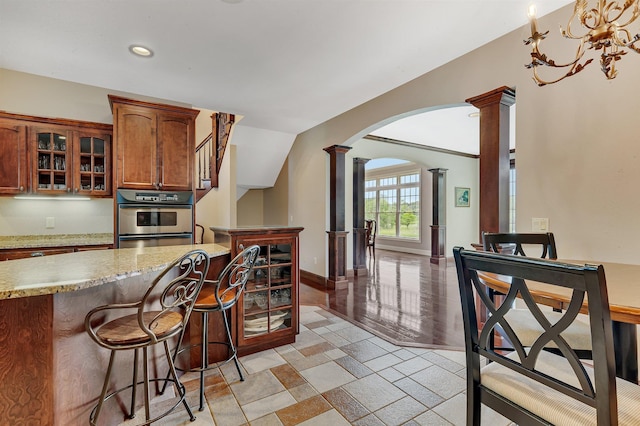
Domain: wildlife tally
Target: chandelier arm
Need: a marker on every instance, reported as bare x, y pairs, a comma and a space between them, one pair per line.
634, 15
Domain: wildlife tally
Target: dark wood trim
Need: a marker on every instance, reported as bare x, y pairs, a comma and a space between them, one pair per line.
358, 213
337, 247
57, 121
314, 280
337, 259
494, 158
419, 146
156, 106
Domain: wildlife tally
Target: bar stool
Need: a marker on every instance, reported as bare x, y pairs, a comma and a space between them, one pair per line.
221, 295
161, 314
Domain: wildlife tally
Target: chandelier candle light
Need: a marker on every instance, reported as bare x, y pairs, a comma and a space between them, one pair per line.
605, 29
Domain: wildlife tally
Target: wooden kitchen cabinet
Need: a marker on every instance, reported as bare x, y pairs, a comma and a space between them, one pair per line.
14, 175
154, 145
267, 314
54, 156
24, 253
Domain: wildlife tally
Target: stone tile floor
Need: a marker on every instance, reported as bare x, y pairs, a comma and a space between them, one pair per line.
334, 374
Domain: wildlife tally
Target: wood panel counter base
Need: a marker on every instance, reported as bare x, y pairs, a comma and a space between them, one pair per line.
51, 371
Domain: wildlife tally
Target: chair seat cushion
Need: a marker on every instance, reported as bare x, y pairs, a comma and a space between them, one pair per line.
126, 331
551, 405
577, 335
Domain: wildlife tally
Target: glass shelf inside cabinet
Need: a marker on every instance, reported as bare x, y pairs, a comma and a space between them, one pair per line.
92, 164
267, 322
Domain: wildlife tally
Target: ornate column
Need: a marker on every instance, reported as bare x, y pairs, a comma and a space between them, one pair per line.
438, 228
337, 235
494, 158
359, 230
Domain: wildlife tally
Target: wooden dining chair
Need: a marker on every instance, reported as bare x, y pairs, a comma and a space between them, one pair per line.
542, 245
160, 316
371, 227
529, 385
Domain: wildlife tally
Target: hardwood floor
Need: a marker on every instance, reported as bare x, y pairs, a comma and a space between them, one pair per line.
404, 299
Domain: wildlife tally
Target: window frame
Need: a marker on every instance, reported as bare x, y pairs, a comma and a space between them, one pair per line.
378, 177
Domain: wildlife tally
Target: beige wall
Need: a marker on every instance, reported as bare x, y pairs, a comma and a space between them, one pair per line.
576, 149
251, 208
275, 199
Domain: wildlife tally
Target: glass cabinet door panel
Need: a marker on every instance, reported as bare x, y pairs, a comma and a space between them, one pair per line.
52, 161
280, 253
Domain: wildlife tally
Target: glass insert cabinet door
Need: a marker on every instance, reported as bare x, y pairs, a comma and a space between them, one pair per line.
268, 297
53, 161
92, 164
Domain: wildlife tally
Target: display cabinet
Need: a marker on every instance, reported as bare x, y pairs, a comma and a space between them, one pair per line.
267, 315
54, 156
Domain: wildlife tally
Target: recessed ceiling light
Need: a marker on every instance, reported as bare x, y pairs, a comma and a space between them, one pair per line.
142, 51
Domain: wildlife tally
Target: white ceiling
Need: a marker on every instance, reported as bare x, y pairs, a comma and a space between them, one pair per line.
285, 65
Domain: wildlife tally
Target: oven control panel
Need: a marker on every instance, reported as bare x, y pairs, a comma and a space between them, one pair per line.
128, 196
157, 198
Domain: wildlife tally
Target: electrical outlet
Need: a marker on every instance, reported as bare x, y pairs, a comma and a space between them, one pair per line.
50, 222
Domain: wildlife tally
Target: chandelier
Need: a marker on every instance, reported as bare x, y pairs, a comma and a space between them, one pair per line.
604, 29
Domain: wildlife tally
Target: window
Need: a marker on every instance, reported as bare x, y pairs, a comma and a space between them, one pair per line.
393, 200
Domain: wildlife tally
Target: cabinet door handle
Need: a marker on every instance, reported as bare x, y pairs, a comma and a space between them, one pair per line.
37, 254
160, 184
21, 188
75, 190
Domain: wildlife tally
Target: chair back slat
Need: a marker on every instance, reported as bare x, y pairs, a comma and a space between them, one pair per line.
233, 278
521, 244
585, 282
177, 294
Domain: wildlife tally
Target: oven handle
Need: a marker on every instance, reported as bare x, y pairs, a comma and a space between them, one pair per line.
153, 236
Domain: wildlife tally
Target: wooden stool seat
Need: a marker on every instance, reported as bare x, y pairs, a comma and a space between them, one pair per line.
208, 300
126, 330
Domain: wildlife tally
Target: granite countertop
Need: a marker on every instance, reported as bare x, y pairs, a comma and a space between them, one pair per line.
76, 271
56, 240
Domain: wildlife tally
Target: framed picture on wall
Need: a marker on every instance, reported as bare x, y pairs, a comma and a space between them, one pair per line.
462, 196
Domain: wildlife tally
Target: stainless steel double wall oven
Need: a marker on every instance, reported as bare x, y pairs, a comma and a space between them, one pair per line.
154, 218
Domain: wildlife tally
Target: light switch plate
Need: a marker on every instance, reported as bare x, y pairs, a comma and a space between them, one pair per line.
50, 222
540, 224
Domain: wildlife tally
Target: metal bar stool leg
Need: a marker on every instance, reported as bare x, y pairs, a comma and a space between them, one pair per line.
204, 355
232, 347
93, 418
180, 387
145, 370
134, 381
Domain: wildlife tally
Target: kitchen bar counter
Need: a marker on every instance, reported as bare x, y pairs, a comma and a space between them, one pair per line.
57, 240
50, 369
77, 271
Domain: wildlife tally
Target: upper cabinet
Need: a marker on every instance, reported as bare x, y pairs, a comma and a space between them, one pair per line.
54, 156
13, 157
154, 145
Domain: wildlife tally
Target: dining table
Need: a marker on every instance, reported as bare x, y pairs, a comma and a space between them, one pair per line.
623, 289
